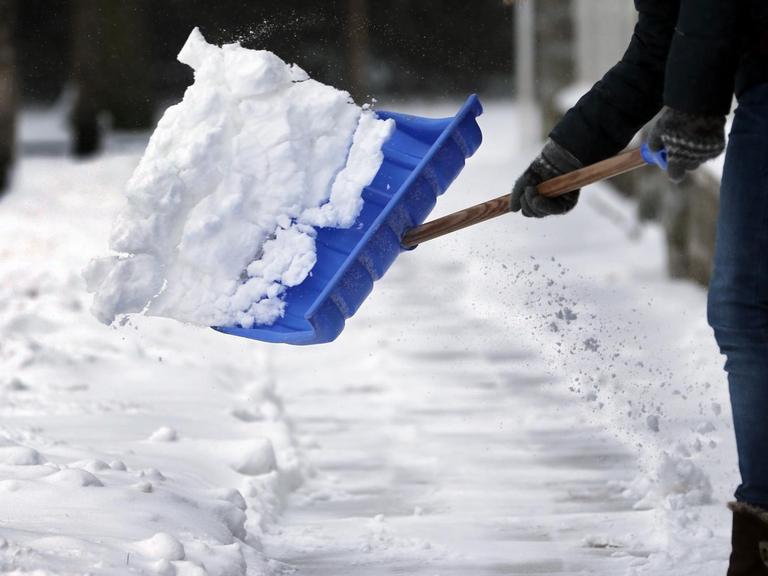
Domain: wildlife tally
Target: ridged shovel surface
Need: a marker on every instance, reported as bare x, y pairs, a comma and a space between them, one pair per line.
421, 159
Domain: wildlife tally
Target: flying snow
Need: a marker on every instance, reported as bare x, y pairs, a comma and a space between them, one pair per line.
222, 209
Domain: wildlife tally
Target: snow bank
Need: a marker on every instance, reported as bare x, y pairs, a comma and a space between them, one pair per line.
122, 451
222, 208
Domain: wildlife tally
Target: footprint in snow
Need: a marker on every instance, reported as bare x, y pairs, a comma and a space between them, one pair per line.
74, 478
257, 459
246, 415
143, 486
20, 456
152, 474
17, 385
92, 466
231, 495
161, 546
164, 434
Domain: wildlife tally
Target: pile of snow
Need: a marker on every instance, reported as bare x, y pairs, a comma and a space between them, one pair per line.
123, 450
222, 209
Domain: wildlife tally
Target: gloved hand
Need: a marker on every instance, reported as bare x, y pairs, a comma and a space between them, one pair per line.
690, 140
554, 160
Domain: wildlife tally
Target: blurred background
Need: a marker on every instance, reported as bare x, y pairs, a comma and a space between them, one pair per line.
74, 73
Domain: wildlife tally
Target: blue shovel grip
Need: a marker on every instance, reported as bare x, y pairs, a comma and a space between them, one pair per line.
658, 158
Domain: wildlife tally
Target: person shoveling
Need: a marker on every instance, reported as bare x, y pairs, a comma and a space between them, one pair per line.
691, 57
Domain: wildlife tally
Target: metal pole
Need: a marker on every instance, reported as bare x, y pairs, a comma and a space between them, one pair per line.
525, 53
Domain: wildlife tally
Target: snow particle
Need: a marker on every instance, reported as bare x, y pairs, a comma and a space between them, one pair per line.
567, 315
591, 344
705, 428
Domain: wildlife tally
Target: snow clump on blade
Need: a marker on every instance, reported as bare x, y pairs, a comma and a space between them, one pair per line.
223, 207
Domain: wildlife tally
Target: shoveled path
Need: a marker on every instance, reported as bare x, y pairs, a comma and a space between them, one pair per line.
441, 448
442, 441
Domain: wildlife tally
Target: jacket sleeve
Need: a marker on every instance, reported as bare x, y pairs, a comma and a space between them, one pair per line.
704, 57
604, 120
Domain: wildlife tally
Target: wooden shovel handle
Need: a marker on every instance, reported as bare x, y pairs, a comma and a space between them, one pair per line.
624, 162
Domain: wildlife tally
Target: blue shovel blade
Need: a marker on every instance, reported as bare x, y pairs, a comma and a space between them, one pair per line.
421, 159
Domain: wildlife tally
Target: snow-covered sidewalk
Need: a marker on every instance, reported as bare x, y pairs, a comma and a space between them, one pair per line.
451, 453
522, 397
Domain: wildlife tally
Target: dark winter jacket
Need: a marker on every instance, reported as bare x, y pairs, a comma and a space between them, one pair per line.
691, 55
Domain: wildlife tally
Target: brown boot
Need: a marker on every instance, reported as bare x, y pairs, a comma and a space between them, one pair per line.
749, 540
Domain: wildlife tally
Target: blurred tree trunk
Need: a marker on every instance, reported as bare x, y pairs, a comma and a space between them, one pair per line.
525, 52
89, 77
357, 48
111, 70
7, 90
555, 64
126, 44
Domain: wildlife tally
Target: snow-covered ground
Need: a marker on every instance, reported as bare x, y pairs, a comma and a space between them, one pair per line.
525, 397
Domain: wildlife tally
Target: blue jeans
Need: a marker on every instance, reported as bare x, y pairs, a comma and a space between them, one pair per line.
738, 292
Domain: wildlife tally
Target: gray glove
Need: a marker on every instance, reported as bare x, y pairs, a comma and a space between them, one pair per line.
690, 140
553, 161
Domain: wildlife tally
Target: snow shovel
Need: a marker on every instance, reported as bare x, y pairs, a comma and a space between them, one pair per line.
421, 159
